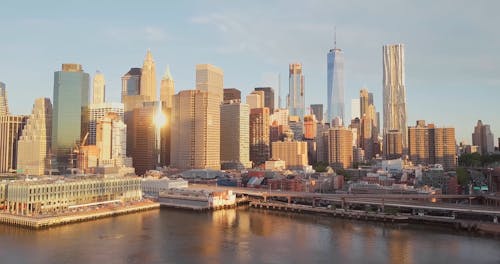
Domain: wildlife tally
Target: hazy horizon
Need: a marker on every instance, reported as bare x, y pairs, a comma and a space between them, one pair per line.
452, 69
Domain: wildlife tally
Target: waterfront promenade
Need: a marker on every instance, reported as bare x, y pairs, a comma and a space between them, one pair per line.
82, 214
456, 211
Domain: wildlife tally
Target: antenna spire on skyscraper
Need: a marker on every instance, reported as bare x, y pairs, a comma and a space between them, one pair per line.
335, 37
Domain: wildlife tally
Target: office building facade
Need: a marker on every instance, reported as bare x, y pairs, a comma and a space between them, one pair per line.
97, 112
70, 112
296, 92
483, 137
4, 109
234, 135
167, 88
131, 82
259, 135
98, 88
340, 147
428, 144
393, 144
310, 125
195, 130
335, 85
11, 127
268, 97
317, 110
142, 138
294, 153
33, 156
232, 94
255, 99
210, 78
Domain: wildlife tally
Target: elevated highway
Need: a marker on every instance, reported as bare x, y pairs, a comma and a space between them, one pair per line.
450, 204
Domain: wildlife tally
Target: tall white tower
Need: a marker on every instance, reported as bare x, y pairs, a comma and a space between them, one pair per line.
98, 88
395, 91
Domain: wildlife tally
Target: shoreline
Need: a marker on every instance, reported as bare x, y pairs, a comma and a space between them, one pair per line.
43, 222
472, 227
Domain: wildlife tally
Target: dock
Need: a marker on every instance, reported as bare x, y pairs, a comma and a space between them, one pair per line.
40, 222
349, 214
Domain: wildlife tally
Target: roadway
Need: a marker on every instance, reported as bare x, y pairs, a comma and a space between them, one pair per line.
411, 201
274, 193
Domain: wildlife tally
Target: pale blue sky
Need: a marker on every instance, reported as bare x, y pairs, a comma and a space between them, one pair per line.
452, 48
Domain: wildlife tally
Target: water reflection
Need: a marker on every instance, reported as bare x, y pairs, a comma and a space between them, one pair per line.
239, 236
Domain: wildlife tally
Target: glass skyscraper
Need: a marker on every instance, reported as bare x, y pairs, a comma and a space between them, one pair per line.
70, 112
296, 102
335, 85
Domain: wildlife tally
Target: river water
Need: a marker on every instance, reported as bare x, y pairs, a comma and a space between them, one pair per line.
241, 235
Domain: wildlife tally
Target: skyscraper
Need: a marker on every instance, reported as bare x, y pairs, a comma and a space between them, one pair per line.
234, 135
211, 79
142, 138
296, 125
310, 126
195, 124
131, 82
33, 155
355, 109
394, 101
322, 142
139, 91
368, 136
232, 94
111, 139
364, 102
393, 144
296, 95
98, 88
268, 97
148, 78
255, 99
317, 110
70, 112
167, 88
97, 112
259, 135
4, 109
340, 147
335, 84
11, 127
483, 137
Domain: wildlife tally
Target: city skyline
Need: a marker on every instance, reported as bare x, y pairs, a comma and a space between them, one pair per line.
438, 72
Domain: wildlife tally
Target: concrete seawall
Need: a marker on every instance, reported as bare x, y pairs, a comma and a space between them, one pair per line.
39, 222
361, 215
483, 228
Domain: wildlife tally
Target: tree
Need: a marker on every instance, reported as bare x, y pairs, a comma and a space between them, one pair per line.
320, 166
470, 160
463, 177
